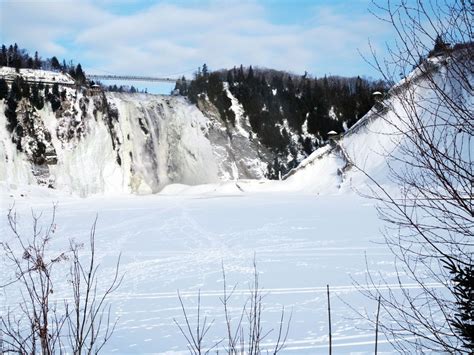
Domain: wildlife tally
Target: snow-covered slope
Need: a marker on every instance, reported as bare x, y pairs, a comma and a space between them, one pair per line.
337, 165
378, 144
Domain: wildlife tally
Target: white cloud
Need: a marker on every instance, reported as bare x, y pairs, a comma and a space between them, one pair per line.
167, 38
45, 25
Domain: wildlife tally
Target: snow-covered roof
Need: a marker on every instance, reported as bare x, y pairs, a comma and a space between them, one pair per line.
332, 133
377, 93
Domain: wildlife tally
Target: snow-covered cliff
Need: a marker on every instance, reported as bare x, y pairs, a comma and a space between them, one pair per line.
123, 143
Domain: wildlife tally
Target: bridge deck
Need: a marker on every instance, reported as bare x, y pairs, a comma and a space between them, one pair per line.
131, 78
11, 77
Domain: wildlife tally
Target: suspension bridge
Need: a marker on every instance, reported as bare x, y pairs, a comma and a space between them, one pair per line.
51, 78
98, 77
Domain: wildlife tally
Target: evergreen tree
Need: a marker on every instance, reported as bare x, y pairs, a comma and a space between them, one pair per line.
10, 56
10, 113
25, 88
15, 91
56, 89
37, 61
250, 75
36, 98
439, 45
290, 87
181, 86
53, 98
15, 62
55, 63
463, 320
240, 74
230, 77
3, 89
16, 59
184, 85
79, 75
3, 56
205, 70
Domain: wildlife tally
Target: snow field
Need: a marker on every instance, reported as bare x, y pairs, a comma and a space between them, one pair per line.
169, 242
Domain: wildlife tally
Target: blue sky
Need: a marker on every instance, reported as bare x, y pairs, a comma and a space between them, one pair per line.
175, 37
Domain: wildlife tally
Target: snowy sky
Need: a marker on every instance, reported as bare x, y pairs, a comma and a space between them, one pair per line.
175, 37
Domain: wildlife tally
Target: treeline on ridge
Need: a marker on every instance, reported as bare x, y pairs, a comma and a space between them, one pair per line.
14, 57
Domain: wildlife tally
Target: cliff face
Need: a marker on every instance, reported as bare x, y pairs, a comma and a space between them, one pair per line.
124, 143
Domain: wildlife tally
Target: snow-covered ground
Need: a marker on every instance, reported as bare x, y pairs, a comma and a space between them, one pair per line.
301, 242
37, 75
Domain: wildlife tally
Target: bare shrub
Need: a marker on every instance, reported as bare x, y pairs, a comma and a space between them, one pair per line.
246, 334
39, 323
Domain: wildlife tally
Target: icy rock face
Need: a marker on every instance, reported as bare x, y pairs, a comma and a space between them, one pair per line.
68, 149
240, 155
162, 140
125, 143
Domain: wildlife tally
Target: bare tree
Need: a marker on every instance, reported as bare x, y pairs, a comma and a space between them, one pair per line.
195, 337
37, 322
88, 318
431, 217
246, 336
